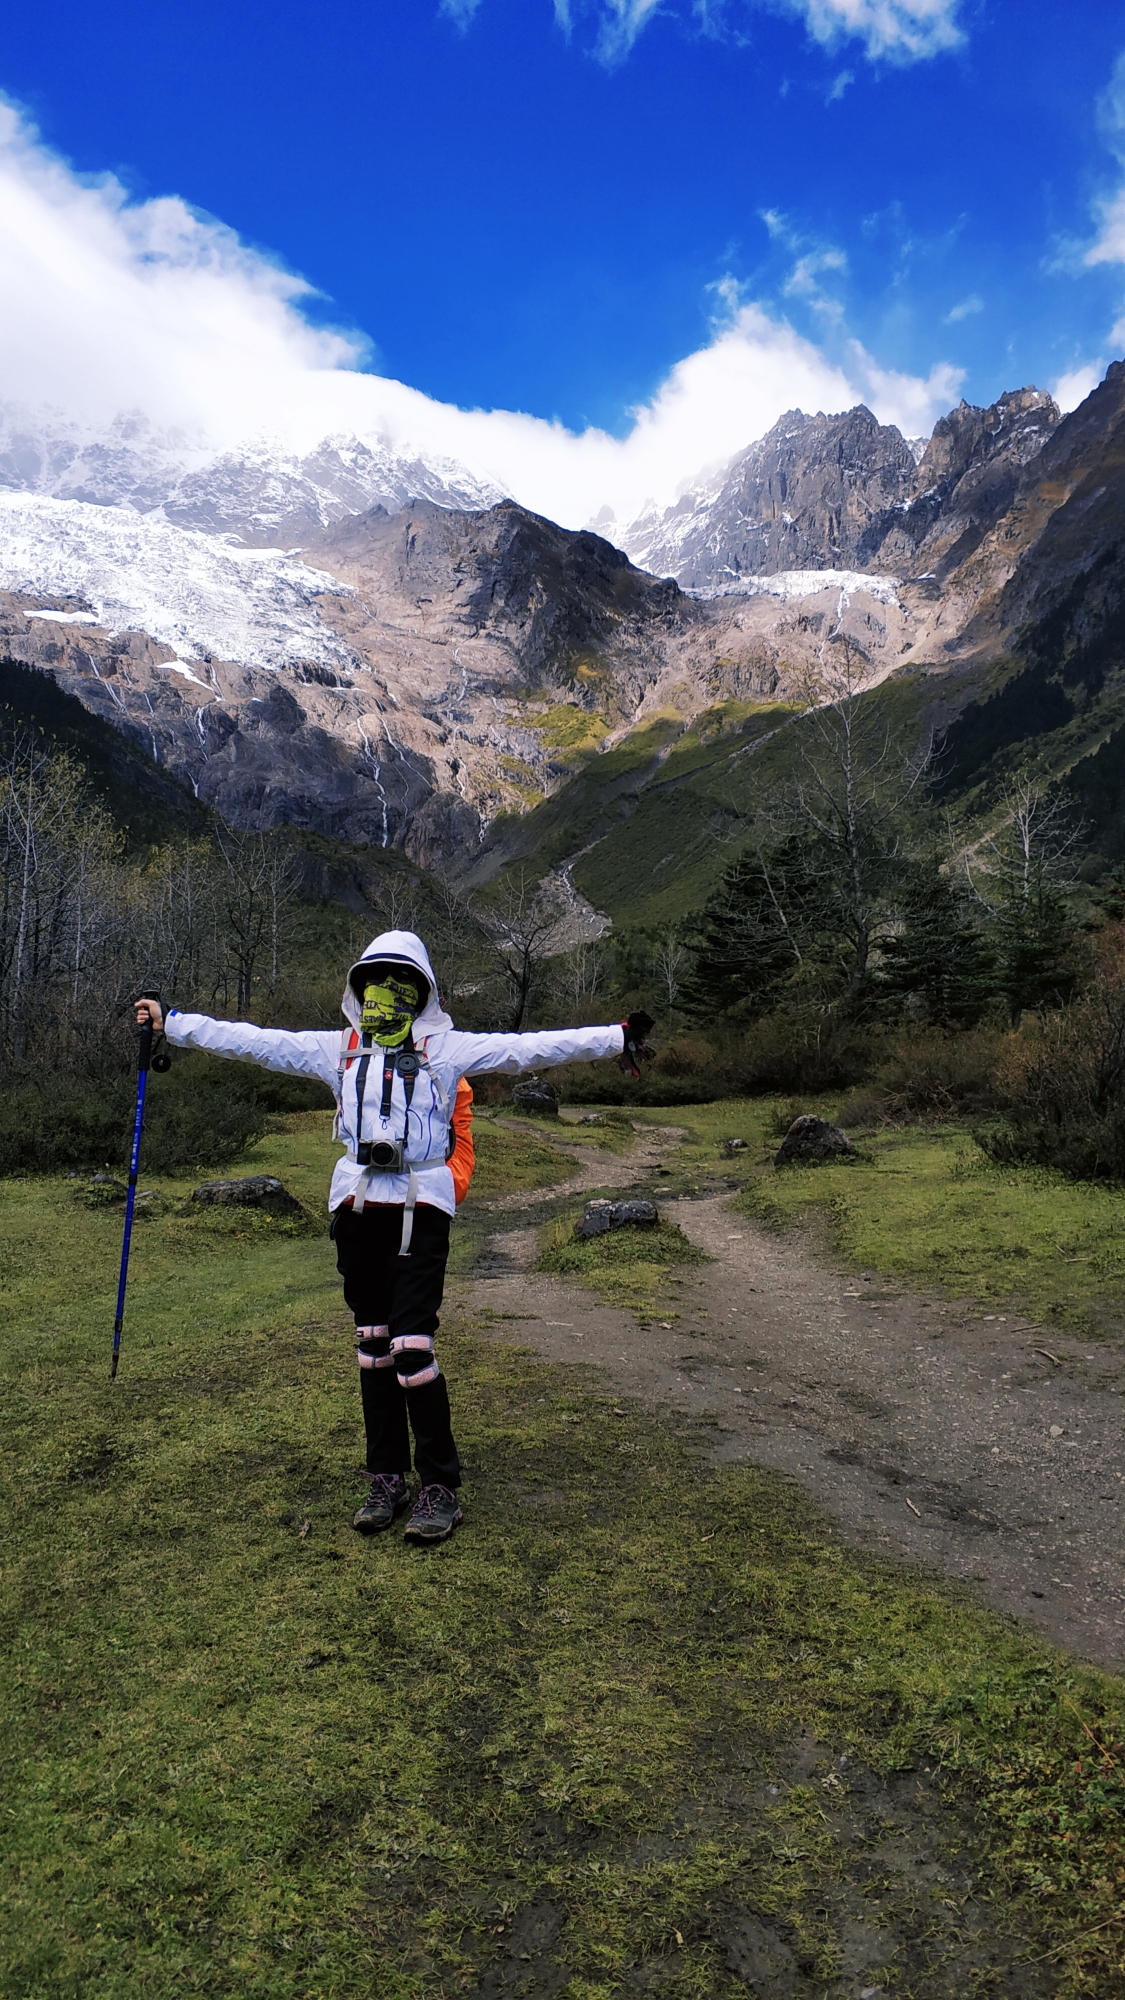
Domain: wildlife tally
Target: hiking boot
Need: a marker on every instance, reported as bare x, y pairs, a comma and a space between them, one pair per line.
435, 1515
388, 1496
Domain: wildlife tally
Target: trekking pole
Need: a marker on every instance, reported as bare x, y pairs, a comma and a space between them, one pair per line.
144, 1059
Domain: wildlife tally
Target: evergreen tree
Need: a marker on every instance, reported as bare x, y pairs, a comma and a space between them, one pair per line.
1037, 948
752, 934
942, 957
1026, 873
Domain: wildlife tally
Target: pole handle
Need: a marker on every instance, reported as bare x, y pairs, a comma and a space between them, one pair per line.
144, 1051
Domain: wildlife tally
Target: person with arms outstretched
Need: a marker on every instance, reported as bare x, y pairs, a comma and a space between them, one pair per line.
394, 1074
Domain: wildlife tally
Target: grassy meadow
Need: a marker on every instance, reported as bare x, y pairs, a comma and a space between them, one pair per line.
638, 1716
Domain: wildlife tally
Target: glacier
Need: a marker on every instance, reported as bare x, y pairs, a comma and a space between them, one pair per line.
199, 594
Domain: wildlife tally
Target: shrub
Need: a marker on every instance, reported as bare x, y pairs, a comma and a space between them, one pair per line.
203, 1113
1061, 1081
928, 1073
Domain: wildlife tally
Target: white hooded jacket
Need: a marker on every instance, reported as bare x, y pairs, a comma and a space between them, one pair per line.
449, 1055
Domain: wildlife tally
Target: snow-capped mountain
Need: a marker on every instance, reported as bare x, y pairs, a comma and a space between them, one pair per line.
397, 676
263, 492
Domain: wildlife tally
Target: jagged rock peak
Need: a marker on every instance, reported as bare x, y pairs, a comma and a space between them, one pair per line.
842, 492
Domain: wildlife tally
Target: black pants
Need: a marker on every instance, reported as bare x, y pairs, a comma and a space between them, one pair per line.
404, 1294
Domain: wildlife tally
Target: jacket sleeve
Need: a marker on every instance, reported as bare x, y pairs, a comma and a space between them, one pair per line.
510, 1053
304, 1053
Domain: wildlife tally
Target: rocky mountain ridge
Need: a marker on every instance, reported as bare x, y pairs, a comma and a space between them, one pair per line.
846, 492
413, 677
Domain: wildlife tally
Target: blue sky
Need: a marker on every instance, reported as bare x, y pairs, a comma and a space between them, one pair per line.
546, 207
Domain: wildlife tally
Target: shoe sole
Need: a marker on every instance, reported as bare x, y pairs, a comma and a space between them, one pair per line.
428, 1541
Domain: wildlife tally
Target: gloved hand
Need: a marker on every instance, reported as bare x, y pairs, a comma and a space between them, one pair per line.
638, 1048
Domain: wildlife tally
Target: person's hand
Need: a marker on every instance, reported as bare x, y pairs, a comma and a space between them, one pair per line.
638, 1048
150, 1010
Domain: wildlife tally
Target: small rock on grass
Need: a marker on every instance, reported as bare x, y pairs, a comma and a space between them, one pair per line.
598, 1217
809, 1139
256, 1191
534, 1094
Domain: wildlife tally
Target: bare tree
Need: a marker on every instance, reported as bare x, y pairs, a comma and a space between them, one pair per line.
855, 782
259, 880
669, 962
520, 926
582, 972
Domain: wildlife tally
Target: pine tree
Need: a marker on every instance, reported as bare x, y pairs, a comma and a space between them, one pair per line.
942, 957
1037, 949
750, 937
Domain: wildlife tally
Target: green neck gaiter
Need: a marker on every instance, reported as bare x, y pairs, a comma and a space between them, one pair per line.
388, 1014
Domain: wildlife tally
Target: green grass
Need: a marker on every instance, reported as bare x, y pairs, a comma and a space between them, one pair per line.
571, 1752
925, 1206
626, 1267
507, 1159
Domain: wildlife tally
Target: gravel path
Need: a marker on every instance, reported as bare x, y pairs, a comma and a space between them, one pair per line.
987, 1448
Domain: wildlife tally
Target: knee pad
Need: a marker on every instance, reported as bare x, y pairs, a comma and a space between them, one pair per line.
373, 1346
414, 1359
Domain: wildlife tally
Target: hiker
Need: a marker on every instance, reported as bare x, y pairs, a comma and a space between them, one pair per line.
395, 1075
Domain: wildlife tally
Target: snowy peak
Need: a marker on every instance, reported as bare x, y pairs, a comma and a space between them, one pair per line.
263, 492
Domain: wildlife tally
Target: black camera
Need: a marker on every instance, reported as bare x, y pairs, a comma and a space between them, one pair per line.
385, 1154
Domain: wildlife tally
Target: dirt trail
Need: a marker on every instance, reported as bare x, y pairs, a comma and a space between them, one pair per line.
926, 1430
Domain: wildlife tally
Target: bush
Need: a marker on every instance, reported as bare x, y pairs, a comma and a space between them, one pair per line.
1061, 1081
203, 1113
928, 1073
51, 1122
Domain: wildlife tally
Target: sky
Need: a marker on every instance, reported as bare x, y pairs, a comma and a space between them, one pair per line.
587, 247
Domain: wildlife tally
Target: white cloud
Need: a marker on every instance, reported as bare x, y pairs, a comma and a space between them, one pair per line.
1073, 388
964, 310
621, 22
1110, 245
116, 306
900, 31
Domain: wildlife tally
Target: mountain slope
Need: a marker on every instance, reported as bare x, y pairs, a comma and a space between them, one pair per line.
479, 687
419, 674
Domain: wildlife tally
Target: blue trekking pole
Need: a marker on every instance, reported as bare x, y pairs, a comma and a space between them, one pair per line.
144, 1061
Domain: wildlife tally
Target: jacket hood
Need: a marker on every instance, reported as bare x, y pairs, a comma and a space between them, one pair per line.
408, 950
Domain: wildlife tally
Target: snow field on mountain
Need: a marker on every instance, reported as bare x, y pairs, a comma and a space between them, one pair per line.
194, 592
788, 583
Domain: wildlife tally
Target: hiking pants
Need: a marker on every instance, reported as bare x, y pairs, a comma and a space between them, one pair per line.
395, 1303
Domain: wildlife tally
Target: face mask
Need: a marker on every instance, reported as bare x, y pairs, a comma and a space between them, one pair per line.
388, 1011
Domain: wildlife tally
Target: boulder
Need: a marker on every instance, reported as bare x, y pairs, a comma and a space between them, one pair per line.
256, 1191
532, 1094
598, 1217
811, 1139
